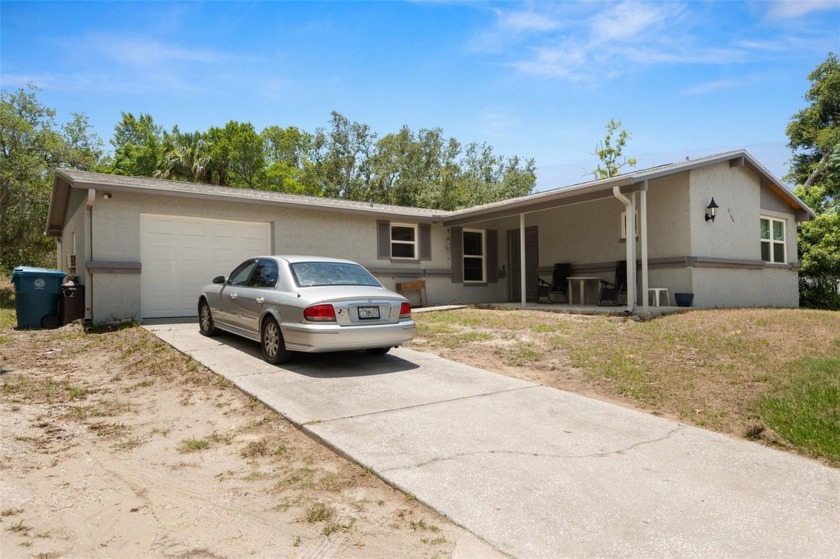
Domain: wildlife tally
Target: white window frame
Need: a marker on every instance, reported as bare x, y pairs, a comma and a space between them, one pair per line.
771, 241
482, 256
415, 244
623, 224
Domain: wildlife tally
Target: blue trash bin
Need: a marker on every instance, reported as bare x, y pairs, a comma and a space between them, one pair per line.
36, 294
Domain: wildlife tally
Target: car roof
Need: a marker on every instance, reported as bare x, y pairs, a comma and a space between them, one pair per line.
295, 258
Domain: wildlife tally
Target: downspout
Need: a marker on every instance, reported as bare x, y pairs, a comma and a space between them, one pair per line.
91, 198
643, 240
630, 235
522, 270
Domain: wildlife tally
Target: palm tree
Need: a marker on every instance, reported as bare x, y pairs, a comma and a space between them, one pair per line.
186, 157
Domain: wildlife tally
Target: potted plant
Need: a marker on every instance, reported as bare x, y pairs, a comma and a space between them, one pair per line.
684, 299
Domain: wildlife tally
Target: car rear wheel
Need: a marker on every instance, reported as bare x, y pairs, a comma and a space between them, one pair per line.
378, 350
272, 343
205, 320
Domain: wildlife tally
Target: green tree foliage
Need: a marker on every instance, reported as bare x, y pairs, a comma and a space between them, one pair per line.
237, 155
186, 156
138, 146
286, 156
612, 156
31, 146
814, 134
346, 160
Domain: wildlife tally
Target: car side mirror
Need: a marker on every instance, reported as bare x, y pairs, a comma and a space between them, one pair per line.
219, 279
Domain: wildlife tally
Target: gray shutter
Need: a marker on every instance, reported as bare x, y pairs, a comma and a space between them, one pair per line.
425, 241
456, 251
383, 240
492, 256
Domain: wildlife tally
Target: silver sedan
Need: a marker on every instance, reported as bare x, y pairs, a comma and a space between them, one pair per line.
305, 303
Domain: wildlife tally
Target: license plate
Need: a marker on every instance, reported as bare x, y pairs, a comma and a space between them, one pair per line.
368, 313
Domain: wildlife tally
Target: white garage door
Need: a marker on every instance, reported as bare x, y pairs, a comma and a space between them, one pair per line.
179, 255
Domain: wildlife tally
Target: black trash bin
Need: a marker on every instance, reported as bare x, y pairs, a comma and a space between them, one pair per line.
71, 306
36, 296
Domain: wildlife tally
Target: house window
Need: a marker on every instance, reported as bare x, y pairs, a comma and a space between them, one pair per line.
624, 224
474, 256
403, 241
773, 240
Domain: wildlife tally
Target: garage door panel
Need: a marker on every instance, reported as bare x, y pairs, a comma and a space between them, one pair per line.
179, 255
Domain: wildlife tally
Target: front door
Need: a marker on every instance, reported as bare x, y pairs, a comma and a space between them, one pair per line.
532, 258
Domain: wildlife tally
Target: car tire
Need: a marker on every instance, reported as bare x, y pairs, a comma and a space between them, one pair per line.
205, 320
378, 350
272, 343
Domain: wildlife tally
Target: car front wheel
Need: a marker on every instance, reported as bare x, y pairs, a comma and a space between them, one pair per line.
272, 343
205, 320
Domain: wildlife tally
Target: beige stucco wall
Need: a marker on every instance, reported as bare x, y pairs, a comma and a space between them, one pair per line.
722, 287
116, 223
668, 213
734, 233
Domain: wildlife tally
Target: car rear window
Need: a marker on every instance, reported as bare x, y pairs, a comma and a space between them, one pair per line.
312, 274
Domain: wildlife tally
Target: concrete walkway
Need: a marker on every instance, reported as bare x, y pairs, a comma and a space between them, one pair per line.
537, 472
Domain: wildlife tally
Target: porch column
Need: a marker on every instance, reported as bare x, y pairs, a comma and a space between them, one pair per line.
644, 244
522, 274
632, 290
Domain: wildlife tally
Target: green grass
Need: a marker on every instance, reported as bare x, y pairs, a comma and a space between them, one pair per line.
193, 445
8, 318
805, 409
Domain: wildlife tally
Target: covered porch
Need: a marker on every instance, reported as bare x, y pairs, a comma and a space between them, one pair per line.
590, 228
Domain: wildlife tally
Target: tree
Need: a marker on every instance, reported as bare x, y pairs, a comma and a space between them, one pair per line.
612, 156
186, 156
287, 152
31, 146
342, 158
138, 146
237, 156
83, 148
814, 134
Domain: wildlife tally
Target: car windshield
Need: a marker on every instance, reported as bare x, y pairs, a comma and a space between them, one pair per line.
313, 274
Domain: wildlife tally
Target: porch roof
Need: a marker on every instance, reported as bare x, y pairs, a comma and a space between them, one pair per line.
630, 182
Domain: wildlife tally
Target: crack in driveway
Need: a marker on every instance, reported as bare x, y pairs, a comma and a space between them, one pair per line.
456, 456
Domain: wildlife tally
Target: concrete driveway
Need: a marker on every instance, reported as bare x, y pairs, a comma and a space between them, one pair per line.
537, 472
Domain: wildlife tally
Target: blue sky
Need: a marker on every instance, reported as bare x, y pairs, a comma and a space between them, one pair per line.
533, 79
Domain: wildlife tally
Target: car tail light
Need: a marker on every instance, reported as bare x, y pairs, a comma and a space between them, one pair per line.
320, 313
405, 311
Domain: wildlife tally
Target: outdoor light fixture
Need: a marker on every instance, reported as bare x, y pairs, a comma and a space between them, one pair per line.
711, 210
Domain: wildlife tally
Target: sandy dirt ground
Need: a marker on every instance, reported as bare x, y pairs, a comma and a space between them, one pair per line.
114, 445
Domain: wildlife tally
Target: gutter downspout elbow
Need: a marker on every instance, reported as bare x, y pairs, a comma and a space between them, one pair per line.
630, 236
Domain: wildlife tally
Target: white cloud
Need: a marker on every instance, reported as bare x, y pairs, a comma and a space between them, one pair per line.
628, 20
790, 9
143, 51
716, 85
526, 21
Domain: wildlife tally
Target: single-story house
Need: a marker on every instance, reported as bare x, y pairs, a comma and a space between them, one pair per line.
144, 247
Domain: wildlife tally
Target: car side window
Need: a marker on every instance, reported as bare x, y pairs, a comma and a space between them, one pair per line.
241, 274
265, 274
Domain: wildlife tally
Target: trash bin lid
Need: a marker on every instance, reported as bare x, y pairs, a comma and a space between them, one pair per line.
29, 270
20, 273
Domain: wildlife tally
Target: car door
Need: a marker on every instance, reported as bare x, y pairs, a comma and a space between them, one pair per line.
227, 312
251, 300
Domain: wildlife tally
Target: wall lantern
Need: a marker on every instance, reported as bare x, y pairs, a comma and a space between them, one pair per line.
711, 210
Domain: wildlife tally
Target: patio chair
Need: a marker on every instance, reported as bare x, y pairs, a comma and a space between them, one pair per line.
557, 288
611, 292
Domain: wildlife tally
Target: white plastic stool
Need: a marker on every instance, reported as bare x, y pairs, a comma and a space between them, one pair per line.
657, 291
